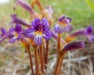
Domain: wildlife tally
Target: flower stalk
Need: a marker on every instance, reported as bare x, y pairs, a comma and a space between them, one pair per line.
58, 44
46, 54
36, 61
41, 58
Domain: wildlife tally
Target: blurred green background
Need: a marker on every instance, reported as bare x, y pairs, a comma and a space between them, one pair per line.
81, 11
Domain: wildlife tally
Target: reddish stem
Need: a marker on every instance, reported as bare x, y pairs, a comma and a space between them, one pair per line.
27, 46
41, 59
31, 63
58, 66
46, 54
59, 38
36, 61
39, 5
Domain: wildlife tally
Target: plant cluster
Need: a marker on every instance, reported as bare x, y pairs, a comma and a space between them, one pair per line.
38, 32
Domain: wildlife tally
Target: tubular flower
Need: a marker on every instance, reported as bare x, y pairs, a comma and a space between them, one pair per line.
73, 45
3, 36
63, 25
40, 31
15, 33
88, 32
17, 20
25, 5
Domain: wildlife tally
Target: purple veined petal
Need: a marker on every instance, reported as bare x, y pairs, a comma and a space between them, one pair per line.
69, 28
61, 18
19, 36
17, 20
89, 30
45, 22
73, 46
35, 22
25, 5
78, 33
59, 29
3, 32
68, 20
38, 39
18, 28
12, 40
30, 32
2, 39
12, 29
47, 35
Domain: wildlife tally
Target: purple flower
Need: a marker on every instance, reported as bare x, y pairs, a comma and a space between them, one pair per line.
88, 32
25, 5
63, 25
15, 33
17, 20
65, 19
40, 31
73, 45
3, 36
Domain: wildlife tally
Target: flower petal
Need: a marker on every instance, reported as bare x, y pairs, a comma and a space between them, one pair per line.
73, 45
3, 32
25, 5
13, 39
89, 30
59, 29
69, 28
38, 40
45, 23
19, 21
61, 18
35, 22
18, 28
30, 32
47, 35
68, 20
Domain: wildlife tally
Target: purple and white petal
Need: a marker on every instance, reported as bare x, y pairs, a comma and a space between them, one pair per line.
61, 18
30, 32
45, 23
35, 22
69, 28
59, 29
47, 35
25, 5
38, 39
17, 20
68, 20
73, 46
12, 40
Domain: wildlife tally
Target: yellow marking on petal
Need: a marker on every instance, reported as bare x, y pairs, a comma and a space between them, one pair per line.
64, 24
38, 32
16, 34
